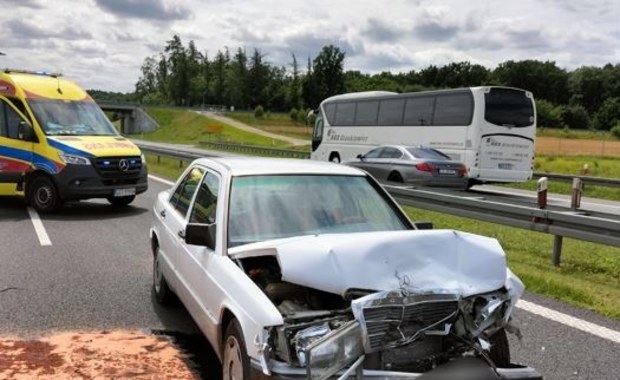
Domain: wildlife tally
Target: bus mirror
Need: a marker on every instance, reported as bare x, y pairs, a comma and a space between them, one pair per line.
25, 131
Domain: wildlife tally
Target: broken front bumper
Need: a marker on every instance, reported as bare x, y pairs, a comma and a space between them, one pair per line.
465, 369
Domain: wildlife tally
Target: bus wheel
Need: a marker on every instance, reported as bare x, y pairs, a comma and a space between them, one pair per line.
121, 201
395, 177
334, 157
43, 195
470, 183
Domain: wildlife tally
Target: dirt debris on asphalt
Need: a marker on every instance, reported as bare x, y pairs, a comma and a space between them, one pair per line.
93, 355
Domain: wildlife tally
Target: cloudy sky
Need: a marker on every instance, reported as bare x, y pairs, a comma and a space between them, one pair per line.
101, 44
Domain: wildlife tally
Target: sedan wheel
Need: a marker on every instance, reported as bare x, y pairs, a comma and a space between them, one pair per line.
395, 177
235, 361
163, 294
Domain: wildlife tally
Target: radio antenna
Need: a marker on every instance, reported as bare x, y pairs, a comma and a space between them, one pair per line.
58, 86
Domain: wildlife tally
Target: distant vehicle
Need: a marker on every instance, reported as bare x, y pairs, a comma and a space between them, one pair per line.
411, 165
297, 269
57, 145
490, 129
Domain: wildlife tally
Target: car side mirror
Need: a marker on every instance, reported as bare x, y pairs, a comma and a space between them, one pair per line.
200, 234
423, 225
25, 131
361, 157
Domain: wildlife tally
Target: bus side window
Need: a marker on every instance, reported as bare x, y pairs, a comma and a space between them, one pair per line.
419, 111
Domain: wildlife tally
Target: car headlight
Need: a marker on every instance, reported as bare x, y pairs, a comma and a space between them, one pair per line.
335, 351
486, 311
74, 159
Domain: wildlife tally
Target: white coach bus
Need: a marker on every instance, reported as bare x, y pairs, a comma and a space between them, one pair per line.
490, 129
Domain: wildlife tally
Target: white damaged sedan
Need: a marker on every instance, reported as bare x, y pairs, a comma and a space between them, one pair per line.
295, 269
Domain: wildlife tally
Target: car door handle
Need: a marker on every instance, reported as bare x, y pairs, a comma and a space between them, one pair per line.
162, 213
181, 234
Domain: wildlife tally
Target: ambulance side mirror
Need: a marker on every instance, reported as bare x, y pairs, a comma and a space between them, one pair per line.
25, 131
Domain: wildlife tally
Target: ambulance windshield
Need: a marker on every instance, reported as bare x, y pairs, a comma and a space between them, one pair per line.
71, 118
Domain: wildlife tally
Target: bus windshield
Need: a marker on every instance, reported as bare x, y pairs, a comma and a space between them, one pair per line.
71, 118
508, 107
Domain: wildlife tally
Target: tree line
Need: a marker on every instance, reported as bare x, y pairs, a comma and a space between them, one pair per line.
587, 97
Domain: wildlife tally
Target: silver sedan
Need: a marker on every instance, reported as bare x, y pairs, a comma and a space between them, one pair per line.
412, 165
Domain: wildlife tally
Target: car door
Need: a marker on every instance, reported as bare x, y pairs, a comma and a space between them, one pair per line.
173, 217
369, 161
15, 150
197, 261
385, 162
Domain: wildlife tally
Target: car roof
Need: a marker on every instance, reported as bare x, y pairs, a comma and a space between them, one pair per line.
242, 166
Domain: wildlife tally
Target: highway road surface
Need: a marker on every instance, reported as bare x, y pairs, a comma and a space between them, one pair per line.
89, 267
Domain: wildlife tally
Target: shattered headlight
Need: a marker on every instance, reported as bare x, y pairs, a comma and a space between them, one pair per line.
334, 351
486, 311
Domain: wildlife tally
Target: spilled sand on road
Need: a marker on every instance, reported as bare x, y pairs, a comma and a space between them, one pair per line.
102, 355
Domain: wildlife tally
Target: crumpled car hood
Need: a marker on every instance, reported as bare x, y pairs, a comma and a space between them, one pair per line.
428, 261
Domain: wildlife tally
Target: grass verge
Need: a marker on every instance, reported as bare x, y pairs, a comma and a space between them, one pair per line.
589, 276
184, 127
607, 167
279, 123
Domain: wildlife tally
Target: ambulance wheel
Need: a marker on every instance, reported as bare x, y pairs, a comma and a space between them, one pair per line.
43, 195
121, 201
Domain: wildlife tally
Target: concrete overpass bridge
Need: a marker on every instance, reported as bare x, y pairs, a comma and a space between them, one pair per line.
134, 118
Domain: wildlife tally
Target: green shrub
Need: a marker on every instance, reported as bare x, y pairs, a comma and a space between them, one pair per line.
294, 114
615, 131
259, 111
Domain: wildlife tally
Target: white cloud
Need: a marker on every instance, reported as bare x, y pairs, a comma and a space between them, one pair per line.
102, 43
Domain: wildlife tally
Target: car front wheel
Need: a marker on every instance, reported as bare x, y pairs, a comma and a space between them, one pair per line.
500, 349
162, 291
235, 360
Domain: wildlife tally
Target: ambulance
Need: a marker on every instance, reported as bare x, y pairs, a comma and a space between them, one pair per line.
56, 145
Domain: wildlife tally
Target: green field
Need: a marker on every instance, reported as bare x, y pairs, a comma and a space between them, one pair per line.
607, 167
182, 127
279, 123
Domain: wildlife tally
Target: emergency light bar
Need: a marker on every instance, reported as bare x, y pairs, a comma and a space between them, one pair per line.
45, 73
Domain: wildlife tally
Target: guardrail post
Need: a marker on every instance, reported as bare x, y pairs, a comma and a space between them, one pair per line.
557, 250
541, 192
575, 201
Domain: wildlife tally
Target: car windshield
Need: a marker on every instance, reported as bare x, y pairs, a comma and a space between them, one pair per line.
279, 206
427, 153
71, 118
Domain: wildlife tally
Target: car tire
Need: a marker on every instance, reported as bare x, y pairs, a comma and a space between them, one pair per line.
161, 290
121, 201
235, 360
395, 177
500, 349
43, 195
335, 158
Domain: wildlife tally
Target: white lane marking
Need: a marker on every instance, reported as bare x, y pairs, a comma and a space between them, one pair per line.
573, 322
164, 181
44, 239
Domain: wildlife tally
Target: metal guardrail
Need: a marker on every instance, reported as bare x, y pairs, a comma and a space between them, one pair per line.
242, 148
600, 181
570, 224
